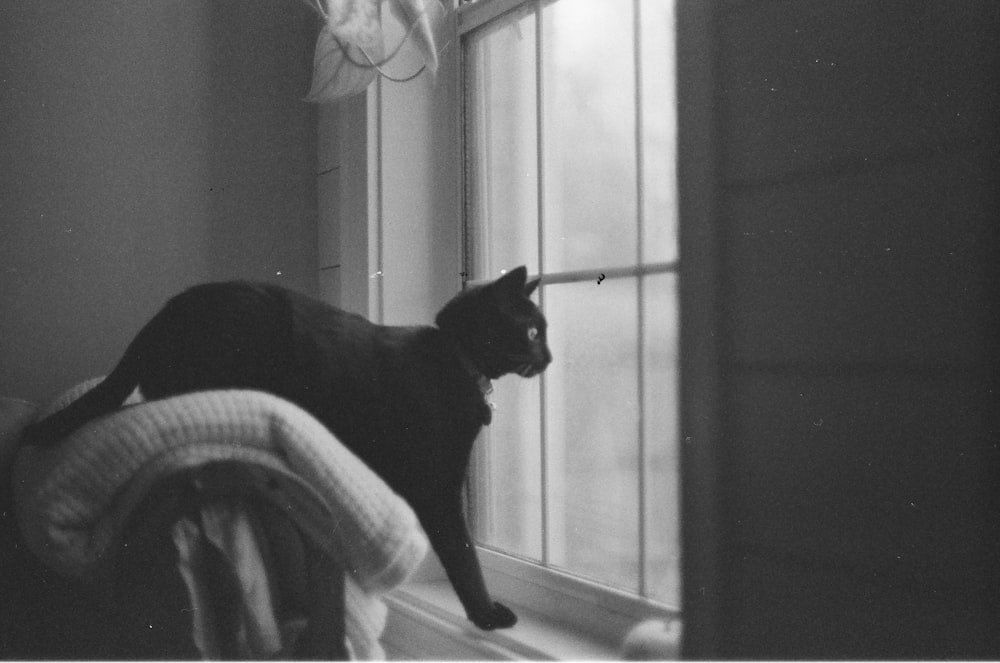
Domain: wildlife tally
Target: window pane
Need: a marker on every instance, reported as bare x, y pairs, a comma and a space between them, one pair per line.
508, 502
592, 430
661, 428
589, 151
558, 475
501, 135
659, 133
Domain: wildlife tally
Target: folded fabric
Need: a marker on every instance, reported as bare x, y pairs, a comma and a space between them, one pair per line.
74, 499
253, 624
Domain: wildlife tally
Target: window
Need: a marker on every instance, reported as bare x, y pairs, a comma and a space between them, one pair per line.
569, 150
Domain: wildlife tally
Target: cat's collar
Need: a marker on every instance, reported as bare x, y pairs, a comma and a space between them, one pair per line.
486, 388
484, 383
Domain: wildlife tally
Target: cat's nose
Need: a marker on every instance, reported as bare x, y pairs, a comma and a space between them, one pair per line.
540, 365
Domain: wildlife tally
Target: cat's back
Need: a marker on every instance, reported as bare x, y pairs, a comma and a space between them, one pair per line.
250, 302
319, 342
342, 345
258, 321
336, 336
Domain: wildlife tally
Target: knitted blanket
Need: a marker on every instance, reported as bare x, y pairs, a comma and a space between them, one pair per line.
74, 499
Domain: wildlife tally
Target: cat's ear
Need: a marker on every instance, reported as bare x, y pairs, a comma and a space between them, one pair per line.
512, 283
531, 286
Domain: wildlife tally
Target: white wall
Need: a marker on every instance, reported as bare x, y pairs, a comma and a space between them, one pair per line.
144, 146
389, 201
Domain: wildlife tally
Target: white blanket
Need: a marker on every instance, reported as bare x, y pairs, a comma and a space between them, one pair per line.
73, 499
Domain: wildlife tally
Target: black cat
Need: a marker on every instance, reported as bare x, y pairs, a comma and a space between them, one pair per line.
409, 401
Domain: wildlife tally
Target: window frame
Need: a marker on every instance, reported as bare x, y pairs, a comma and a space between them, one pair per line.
588, 606
422, 261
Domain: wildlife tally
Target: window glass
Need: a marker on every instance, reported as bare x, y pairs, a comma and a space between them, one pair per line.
659, 132
508, 515
579, 469
661, 414
592, 430
502, 181
589, 155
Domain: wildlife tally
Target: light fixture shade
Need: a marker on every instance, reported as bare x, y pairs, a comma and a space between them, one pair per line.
350, 49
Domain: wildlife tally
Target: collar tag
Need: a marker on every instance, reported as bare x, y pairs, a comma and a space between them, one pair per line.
486, 388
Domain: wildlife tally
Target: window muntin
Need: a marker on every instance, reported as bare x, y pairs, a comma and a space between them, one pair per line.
569, 149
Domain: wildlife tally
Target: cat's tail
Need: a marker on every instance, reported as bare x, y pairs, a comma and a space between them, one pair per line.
102, 399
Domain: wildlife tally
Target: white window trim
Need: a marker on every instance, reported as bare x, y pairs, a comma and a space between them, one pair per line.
560, 617
426, 622
606, 614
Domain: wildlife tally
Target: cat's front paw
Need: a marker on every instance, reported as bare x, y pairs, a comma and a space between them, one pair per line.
500, 616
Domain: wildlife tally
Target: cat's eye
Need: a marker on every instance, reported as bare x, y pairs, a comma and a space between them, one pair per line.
532, 333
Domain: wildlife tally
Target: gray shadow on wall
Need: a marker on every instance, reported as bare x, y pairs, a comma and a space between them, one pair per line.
262, 143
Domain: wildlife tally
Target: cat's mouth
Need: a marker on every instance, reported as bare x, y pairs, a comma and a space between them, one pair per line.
529, 370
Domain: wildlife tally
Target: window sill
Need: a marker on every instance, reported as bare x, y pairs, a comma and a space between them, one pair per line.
559, 618
426, 621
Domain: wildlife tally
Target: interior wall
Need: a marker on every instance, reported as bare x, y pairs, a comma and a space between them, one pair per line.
418, 192
390, 240
856, 227
146, 146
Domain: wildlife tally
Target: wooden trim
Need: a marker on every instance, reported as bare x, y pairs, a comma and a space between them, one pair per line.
476, 14
597, 273
701, 329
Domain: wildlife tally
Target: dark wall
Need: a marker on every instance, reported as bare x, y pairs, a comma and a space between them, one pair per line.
854, 152
144, 146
